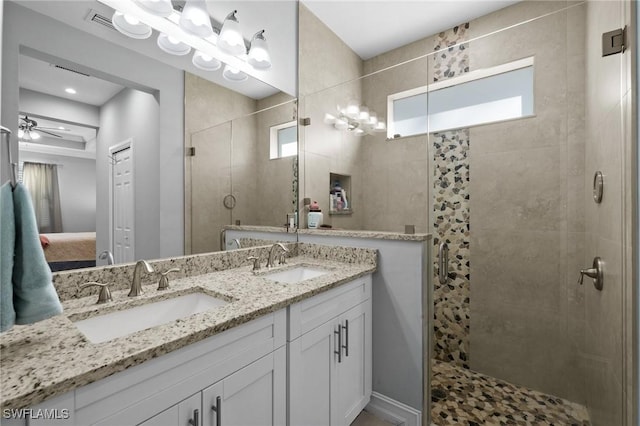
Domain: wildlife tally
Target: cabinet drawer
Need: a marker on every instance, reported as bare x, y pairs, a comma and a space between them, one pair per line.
310, 313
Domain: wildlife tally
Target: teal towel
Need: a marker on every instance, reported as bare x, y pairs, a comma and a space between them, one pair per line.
34, 296
7, 245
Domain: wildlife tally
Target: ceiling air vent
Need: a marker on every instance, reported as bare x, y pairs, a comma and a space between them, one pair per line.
95, 17
70, 70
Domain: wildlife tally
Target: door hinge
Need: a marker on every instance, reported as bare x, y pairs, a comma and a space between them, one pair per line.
306, 121
191, 151
614, 42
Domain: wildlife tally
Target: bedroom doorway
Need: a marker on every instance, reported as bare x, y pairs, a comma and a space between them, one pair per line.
121, 196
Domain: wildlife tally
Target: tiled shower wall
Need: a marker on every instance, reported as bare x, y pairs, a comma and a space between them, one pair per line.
451, 210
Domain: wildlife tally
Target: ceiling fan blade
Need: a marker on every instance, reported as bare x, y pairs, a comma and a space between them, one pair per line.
48, 133
57, 129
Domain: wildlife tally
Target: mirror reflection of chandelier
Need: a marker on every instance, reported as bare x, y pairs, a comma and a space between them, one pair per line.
356, 118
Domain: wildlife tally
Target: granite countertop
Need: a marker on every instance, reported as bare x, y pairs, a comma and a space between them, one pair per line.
354, 233
52, 357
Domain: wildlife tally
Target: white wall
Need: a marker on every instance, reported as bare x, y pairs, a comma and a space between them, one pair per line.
60, 108
77, 182
101, 58
132, 114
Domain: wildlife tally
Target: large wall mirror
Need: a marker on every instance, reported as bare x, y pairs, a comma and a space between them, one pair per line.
117, 142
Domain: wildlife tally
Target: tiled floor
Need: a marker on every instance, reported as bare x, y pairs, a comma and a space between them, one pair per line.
464, 397
368, 419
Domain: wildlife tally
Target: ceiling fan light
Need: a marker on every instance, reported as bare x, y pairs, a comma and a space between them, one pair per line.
195, 18
20, 133
130, 26
162, 8
230, 40
363, 116
34, 135
233, 74
353, 110
341, 124
205, 62
172, 46
259, 56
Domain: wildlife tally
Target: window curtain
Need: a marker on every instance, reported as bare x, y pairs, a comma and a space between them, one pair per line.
42, 182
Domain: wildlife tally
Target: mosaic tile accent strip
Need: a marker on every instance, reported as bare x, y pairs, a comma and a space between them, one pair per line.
451, 211
451, 214
464, 397
452, 58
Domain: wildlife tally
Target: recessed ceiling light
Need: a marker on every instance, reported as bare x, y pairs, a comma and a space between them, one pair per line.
70, 90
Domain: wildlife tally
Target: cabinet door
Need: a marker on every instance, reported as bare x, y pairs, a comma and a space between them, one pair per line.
312, 366
354, 370
253, 396
180, 414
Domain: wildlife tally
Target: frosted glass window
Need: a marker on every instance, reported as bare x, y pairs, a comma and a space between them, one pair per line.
283, 140
287, 142
485, 96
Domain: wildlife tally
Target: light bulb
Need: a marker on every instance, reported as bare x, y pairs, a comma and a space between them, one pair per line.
195, 18
230, 40
20, 133
353, 110
233, 74
130, 26
364, 115
259, 57
34, 135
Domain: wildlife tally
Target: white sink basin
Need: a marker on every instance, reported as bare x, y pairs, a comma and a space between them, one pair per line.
121, 323
296, 275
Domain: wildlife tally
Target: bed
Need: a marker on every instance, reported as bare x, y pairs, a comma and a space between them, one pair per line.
70, 250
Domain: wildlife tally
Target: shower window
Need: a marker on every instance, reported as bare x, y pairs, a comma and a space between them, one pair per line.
284, 140
484, 96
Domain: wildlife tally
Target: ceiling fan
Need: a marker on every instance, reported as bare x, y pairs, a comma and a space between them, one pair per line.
27, 130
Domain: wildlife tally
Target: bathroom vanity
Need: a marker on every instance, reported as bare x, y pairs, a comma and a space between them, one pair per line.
272, 338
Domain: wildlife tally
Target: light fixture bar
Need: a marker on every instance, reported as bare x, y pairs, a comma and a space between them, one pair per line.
170, 27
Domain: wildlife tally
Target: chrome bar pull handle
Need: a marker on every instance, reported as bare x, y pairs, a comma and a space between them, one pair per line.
195, 421
339, 345
218, 410
443, 263
346, 337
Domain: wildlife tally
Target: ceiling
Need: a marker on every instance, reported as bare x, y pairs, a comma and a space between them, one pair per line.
372, 27
369, 27
44, 77
277, 17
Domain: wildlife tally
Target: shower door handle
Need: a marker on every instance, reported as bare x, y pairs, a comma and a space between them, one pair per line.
443, 263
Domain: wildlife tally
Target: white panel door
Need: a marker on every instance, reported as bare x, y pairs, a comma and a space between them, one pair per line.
354, 370
312, 370
253, 396
123, 217
178, 415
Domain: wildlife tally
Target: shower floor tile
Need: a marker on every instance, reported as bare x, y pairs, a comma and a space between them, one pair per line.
464, 397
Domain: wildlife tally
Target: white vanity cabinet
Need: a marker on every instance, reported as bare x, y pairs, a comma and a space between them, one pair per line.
330, 356
245, 366
252, 396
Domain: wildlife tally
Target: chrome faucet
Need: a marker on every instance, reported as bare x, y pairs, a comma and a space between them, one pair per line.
136, 286
272, 253
107, 255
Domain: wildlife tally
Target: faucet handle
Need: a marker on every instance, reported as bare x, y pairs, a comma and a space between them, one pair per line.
163, 284
105, 294
256, 262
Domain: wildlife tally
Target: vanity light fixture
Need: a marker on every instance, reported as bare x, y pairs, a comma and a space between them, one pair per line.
259, 57
195, 19
179, 32
172, 45
205, 62
130, 26
162, 8
230, 40
357, 119
233, 74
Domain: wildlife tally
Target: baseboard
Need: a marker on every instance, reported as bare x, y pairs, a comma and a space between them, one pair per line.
393, 411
